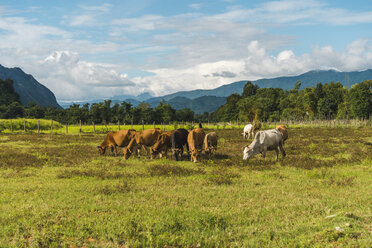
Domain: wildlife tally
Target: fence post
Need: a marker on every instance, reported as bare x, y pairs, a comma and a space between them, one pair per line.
154, 124
143, 125
131, 124
94, 127
51, 127
163, 126
119, 125
24, 125
66, 127
38, 126
11, 125
80, 126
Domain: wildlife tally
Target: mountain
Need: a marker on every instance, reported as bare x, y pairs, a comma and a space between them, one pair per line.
134, 100
198, 105
201, 101
307, 79
28, 88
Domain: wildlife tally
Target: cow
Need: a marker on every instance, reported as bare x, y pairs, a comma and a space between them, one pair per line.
248, 131
283, 130
195, 140
162, 144
267, 140
144, 138
178, 140
112, 140
210, 143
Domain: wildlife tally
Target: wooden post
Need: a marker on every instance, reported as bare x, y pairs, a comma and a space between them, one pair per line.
66, 127
51, 127
11, 125
119, 125
80, 126
94, 127
131, 124
38, 126
163, 126
143, 125
24, 125
154, 124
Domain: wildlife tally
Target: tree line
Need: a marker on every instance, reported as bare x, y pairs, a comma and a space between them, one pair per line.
324, 101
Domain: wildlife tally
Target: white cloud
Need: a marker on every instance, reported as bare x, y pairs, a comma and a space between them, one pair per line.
258, 64
64, 69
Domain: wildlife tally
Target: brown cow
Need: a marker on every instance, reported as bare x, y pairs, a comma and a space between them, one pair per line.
210, 143
162, 144
113, 139
145, 138
195, 140
283, 131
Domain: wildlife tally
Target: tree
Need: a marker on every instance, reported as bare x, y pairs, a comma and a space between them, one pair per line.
361, 99
229, 111
185, 114
249, 89
333, 96
33, 110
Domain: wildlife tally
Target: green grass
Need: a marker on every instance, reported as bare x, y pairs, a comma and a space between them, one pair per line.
56, 191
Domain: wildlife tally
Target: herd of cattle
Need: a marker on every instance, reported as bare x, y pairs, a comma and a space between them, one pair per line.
156, 142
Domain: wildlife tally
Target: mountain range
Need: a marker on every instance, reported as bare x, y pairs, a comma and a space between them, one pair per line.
209, 100
199, 101
28, 88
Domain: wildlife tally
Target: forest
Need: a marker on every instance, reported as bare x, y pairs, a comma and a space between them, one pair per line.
324, 101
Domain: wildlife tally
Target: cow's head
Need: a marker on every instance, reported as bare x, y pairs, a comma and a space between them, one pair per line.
195, 155
127, 152
247, 153
101, 150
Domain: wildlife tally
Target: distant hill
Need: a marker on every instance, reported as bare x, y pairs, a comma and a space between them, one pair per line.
198, 105
308, 79
28, 89
209, 100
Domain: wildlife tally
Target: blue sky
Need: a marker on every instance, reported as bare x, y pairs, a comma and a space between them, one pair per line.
93, 49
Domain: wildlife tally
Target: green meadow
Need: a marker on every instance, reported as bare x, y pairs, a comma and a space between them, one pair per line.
57, 191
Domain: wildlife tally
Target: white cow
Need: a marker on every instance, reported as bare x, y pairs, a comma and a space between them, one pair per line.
248, 131
267, 140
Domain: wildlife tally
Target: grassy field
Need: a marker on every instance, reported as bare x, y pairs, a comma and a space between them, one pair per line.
56, 191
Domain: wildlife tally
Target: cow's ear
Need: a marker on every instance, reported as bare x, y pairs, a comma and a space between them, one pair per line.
262, 137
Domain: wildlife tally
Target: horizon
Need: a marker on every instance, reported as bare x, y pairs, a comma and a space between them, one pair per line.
94, 51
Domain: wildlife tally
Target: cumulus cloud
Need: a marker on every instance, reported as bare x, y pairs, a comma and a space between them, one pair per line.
258, 63
64, 69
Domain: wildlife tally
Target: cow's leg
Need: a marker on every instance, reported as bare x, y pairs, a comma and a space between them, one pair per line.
277, 153
181, 152
115, 151
138, 150
264, 152
282, 150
